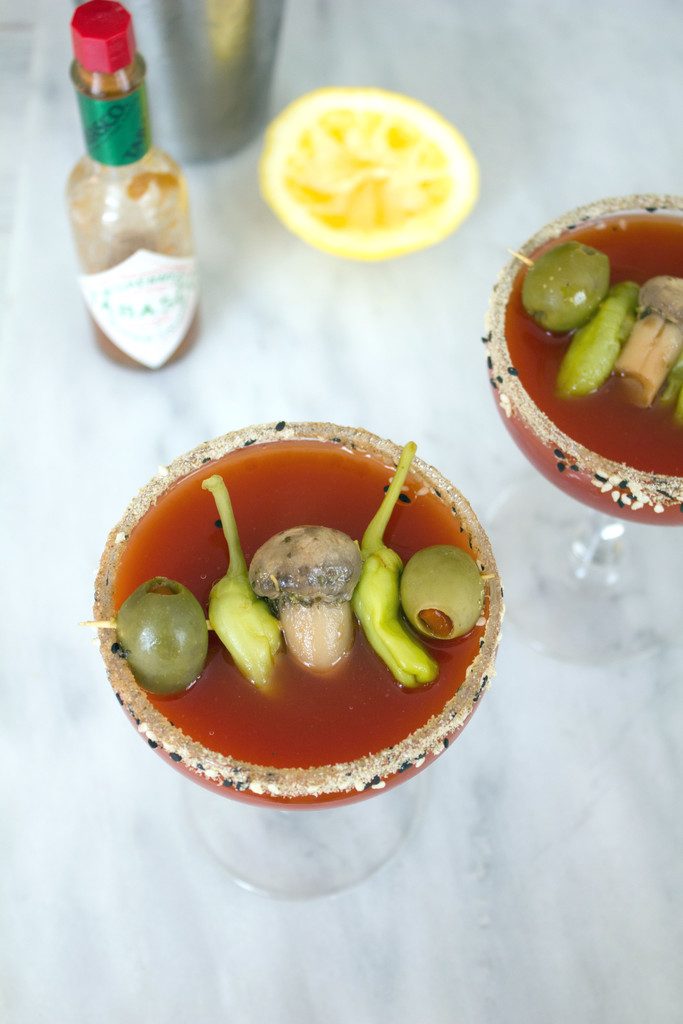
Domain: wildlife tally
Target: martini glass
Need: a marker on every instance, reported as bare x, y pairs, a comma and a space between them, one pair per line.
598, 580
303, 825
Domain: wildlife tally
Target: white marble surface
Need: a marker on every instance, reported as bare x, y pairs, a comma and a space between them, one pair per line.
545, 883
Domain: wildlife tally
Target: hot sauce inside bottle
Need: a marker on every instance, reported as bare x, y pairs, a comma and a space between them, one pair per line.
127, 202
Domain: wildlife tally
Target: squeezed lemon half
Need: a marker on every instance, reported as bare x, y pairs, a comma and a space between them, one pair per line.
367, 174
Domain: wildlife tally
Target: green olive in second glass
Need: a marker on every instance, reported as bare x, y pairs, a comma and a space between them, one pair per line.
442, 592
565, 286
162, 630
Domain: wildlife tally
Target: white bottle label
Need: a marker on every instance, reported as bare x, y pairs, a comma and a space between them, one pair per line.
145, 305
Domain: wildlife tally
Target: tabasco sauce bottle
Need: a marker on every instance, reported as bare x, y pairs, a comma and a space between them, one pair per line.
127, 202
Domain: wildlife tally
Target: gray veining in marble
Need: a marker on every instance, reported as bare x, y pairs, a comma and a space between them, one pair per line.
545, 884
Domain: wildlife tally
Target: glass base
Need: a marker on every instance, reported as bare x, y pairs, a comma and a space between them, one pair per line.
580, 586
305, 853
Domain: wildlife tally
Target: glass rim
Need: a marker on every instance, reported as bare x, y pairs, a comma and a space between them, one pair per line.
371, 771
648, 489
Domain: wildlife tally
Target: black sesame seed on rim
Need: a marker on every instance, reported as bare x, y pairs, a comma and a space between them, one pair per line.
252, 440
489, 362
152, 744
281, 425
206, 459
650, 209
486, 339
561, 467
405, 766
227, 783
120, 699
404, 498
600, 477
574, 468
219, 524
446, 743
336, 440
481, 688
513, 371
118, 650
558, 452
175, 756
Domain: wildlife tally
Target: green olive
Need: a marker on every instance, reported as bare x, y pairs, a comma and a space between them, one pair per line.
442, 592
162, 630
565, 286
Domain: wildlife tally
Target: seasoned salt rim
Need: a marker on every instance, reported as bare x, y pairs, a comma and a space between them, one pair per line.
366, 772
647, 489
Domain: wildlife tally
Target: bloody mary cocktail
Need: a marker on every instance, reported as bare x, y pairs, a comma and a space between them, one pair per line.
600, 447
307, 737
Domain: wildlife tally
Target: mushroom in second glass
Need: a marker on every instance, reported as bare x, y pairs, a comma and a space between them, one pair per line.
655, 345
308, 575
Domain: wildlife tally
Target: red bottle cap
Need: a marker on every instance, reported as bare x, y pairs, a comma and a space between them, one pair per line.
102, 36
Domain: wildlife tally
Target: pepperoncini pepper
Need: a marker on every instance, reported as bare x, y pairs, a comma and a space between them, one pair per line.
242, 621
376, 601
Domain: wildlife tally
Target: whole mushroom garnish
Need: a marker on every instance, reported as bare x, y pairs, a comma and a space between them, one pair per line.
308, 574
656, 340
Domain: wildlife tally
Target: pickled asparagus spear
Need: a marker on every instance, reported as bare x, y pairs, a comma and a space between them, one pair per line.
674, 382
679, 408
593, 351
673, 392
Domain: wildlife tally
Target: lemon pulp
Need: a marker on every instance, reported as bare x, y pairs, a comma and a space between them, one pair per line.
367, 174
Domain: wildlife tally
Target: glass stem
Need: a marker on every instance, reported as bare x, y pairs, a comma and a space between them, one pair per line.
597, 549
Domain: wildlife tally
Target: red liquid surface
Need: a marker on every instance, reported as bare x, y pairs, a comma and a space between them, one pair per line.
303, 719
639, 246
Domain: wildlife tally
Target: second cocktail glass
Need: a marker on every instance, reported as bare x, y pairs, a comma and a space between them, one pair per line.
594, 585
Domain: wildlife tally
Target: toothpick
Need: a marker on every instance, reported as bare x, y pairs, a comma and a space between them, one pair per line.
521, 257
111, 623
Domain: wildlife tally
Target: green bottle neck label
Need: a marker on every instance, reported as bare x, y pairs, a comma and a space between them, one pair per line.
117, 130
